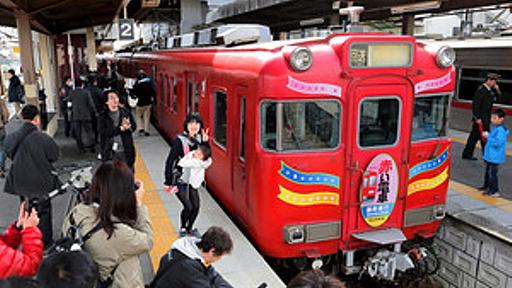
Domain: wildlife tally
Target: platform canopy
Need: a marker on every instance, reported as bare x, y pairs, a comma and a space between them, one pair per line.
287, 14
57, 16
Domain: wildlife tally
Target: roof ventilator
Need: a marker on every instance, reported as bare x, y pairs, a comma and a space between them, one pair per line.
227, 35
353, 13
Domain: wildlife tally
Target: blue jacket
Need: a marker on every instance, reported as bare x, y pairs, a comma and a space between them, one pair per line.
496, 147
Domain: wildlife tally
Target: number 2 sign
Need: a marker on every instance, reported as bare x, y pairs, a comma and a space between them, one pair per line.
126, 29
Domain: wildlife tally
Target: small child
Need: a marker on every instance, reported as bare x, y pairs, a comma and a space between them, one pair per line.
194, 164
495, 152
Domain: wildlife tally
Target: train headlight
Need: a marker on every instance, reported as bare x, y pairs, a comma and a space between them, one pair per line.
445, 56
301, 59
294, 234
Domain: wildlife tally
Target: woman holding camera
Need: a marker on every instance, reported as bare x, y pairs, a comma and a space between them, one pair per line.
115, 210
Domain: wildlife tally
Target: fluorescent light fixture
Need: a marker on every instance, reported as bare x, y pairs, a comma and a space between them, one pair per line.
416, 7
311, 22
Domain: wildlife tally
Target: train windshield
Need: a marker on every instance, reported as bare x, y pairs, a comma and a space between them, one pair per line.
379, 121
430, 115
303, 125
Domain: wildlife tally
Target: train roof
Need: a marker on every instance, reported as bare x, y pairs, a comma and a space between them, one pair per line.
265, 46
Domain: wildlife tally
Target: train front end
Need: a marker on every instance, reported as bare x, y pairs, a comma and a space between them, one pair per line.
352, 151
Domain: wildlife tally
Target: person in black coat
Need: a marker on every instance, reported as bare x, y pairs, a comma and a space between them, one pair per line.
116, 125
31, 175
66, 89
482, 106
188, 263
144, 91
189, 198
83, 111
15, 92
97, 98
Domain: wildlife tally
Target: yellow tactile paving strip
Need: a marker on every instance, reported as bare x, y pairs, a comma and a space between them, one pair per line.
477, 195
163, 231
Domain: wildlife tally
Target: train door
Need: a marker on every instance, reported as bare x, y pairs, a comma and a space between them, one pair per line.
192, 100
238, 178
222, 141
161, 99
378, 145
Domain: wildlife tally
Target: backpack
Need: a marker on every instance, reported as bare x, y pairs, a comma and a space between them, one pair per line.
166, 262
73, 240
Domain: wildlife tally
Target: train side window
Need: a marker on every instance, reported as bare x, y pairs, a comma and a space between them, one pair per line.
196, 97
379, 121
174, 95
242, 128
300, 125
472, 78
153, 73
220, 118
162, 89
430, 117
189, 96
168, 95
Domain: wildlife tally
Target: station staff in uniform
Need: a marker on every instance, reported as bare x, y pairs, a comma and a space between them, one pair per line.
482, 105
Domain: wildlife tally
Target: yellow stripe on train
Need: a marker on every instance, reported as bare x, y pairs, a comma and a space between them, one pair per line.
309, 199
428, 184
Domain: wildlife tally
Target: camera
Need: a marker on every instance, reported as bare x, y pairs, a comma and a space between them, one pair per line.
31, 203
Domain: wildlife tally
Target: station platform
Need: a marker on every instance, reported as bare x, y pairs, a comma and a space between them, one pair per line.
244, 267
466, 203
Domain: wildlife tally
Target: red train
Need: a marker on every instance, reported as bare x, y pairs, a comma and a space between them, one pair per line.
296, 126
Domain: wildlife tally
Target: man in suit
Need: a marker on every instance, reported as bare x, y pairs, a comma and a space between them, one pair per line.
83, 110
482, 106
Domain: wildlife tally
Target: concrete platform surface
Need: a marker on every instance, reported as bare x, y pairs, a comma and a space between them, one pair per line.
244, 267
465, 202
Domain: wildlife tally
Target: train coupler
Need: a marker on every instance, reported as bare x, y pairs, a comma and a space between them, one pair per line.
385, 264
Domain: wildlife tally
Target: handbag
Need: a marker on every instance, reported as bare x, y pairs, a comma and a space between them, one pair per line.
132, 102
20, 93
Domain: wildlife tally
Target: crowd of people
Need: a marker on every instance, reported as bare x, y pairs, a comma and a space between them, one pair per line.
112, 223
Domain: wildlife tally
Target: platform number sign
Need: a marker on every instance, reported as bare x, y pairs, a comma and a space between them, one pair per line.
126, 29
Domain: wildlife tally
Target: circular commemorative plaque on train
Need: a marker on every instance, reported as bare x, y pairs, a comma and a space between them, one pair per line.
379, 190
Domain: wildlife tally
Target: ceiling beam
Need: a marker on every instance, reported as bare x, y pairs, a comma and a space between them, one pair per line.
39, 26
11, 4
49, 6
81, 23
6, 11
15, 6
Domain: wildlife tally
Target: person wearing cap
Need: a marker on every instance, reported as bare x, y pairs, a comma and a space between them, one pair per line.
483, 101
144, 91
